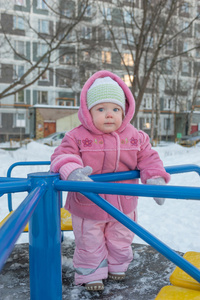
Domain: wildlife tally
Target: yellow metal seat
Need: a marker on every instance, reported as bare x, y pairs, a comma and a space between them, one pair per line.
182, 279
66, 220
177, 293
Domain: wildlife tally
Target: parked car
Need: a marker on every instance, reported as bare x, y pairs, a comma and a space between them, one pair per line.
190, 140
53, 139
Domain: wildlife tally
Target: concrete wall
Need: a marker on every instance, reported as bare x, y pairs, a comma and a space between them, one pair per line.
67, 123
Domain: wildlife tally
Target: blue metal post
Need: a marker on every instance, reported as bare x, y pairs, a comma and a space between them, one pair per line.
45, 243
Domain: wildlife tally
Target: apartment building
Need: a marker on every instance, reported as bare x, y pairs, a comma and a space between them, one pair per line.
47, 62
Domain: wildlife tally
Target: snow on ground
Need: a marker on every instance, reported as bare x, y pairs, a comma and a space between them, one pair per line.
176, 223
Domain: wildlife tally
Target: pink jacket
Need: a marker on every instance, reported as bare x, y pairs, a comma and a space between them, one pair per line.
123, 150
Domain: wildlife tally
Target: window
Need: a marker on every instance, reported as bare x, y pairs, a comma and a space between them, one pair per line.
41, 49
20, 47
128, 59
19, 97
63, 81
69, 36
61, 35
86, 33
127, 38
145, 123
86, 56
185, 27
169, 46
107, 13
141, 123
20, 120
41, 4
167, 123
43, 26
20, 2
185, 67
185, 8
198, 53
169, 85
197, 31
182, 106
185, 46
167, 104
147, 103
127, 17
88, 74
106, 57
106, 34
183, 86
45, 75
65, 102
67, 59
148, 63
18, 23
67, 13
149, 41
196, 69
42, 97
169, 66
128, 80
18, 71
88, 11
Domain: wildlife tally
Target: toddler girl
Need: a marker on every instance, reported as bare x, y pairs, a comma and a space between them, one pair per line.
105, 142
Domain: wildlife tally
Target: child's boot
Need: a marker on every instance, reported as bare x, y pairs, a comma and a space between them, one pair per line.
116, 276
95, 285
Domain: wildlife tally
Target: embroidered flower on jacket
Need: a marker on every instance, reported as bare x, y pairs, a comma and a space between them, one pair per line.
87, 143
134, 142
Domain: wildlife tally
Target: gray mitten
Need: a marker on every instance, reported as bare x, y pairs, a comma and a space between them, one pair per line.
80, 174
157, 181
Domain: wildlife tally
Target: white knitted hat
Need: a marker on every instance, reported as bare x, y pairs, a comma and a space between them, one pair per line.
105, 90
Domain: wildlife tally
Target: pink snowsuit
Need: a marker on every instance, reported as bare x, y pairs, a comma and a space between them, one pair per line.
102, 244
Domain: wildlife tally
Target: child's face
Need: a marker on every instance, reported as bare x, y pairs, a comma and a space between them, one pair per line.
107, 117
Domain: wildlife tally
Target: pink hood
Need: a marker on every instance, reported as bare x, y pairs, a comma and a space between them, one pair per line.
122, 150
84, 114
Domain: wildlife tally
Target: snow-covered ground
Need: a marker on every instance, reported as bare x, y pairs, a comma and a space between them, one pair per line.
176, 223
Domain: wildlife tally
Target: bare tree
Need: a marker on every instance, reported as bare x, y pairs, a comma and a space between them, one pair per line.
145, 33
65, 19
183, 93
195, 86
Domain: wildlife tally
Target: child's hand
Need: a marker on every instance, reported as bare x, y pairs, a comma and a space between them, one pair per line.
80, 174
157, 181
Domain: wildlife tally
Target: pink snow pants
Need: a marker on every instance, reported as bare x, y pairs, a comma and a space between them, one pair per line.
101, 247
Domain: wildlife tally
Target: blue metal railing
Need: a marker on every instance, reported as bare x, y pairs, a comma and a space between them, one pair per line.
42, 208
15, 224
22, 163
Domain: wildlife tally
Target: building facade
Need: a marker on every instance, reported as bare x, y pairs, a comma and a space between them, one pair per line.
38, 47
